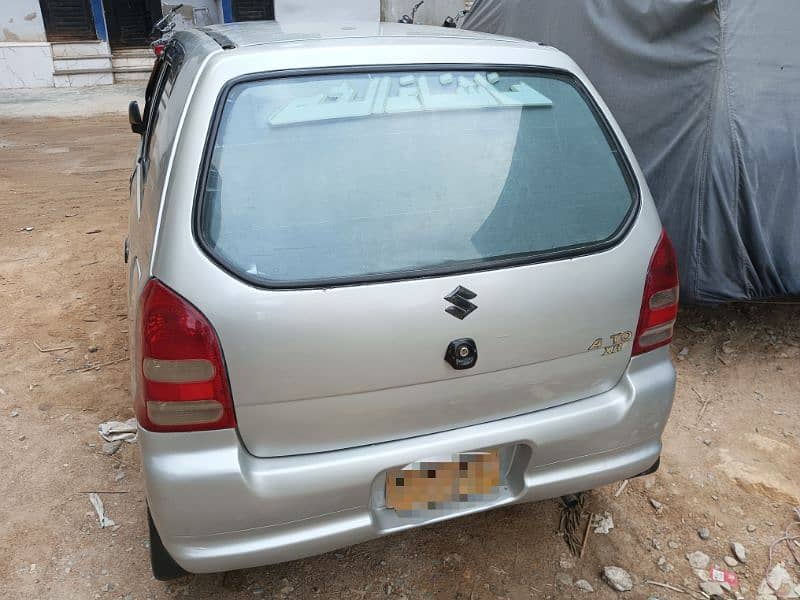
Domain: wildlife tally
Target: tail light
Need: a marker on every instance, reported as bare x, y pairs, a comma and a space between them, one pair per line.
660, 300
184, 384
158, 48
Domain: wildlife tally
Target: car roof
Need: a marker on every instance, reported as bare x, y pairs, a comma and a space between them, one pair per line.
255, 33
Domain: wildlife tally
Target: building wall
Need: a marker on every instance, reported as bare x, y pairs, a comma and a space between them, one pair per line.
327, 10
206, 12
21, 21
432, 12
25, 59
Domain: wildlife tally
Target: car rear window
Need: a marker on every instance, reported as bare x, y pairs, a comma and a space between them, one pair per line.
337, 178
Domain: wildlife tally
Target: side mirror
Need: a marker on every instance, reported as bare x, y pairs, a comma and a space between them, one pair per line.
135, 118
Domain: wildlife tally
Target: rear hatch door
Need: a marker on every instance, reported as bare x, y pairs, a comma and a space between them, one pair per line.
364, 221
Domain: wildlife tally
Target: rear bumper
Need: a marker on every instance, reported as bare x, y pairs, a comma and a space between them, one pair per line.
218, 508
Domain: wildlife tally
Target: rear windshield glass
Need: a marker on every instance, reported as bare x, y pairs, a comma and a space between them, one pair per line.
346, 177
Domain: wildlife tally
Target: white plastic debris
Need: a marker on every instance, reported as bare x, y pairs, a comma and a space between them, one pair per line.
100, 510
112, 431
603, 523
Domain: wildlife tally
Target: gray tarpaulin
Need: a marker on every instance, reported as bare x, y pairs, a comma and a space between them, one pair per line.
708, 95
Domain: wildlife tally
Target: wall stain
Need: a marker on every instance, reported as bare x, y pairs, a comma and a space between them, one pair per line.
9, 36
30, 16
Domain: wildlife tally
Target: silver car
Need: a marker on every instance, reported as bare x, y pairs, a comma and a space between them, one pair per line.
381, 276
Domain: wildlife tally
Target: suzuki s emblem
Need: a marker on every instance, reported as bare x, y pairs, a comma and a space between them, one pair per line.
460, 299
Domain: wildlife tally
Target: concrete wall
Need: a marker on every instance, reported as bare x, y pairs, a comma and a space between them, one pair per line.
194, 9
327, 10
21, 21
432, 12
25, 65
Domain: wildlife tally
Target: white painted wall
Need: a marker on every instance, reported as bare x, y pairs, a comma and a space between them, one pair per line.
193, 10
21, 21
432, 12
287, 11
25, 65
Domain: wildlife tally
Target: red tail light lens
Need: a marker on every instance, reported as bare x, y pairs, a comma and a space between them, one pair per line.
158, 49
184, 384
660, 301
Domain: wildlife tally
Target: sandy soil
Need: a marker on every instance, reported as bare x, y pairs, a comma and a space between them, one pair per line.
730, 459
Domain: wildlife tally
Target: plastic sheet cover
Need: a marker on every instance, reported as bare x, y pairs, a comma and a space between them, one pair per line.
708, 94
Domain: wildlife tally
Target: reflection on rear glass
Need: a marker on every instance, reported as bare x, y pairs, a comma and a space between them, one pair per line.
317, 180
414, 94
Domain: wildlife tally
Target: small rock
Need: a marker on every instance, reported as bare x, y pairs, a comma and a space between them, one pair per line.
584, 586
751, 528
93, 349
730, 561
739, 552
287, 589
603, 523
14, 413
712, 588
258, 591
656, 543
619, 579
778, 577
664, 565
564, 579
656, 504
673, 544
110, 448
697, 559
119, 476
22, 438
704, 533
707, 441
108, 587
128, 596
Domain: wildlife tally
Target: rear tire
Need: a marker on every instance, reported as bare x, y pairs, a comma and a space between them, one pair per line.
163, 565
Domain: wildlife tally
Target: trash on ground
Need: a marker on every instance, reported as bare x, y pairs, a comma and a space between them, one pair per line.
723, 576
112, 431
100, 510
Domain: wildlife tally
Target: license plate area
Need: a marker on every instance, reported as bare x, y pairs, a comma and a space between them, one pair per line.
444, 483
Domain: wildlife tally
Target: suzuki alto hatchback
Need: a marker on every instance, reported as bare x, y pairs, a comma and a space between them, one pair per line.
381, 276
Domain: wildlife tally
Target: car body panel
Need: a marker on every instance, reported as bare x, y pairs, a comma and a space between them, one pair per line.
218, 507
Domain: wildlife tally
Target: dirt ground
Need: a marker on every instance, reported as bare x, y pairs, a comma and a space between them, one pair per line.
730, 459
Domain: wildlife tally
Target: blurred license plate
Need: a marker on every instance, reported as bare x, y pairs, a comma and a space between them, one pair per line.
444, 483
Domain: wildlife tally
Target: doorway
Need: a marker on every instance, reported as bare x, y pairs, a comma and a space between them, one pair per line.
129, 22
68, 20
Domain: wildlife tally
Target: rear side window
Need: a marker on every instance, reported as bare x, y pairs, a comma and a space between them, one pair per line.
339, 178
